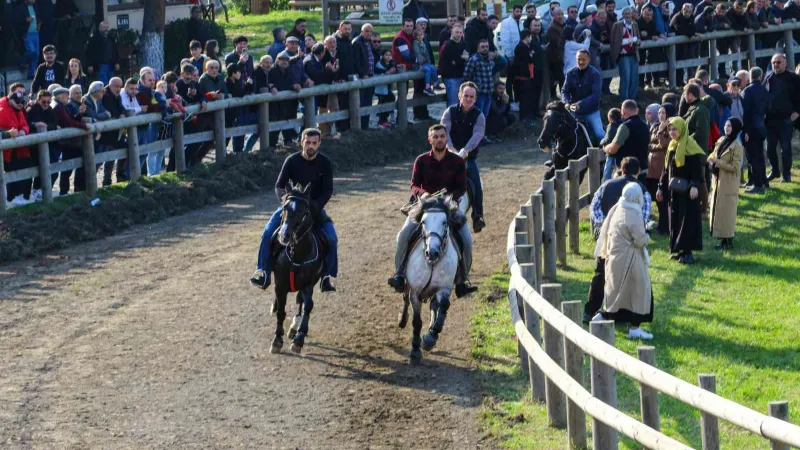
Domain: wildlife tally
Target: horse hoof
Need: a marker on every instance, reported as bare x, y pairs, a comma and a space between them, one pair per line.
402, 320
297, 348
291, 334
277, 345
428, 342
416, 357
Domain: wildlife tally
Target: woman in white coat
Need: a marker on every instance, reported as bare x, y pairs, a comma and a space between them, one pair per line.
622, 243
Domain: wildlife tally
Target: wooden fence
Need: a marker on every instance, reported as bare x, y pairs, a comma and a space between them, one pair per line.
536, 245
217, 134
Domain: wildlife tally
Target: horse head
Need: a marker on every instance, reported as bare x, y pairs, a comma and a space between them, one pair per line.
557, 120
296, 218
437, 214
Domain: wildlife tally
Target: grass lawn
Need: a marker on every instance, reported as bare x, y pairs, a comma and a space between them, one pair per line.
732, 314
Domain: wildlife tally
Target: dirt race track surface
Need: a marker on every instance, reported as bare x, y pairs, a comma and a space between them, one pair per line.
154, 339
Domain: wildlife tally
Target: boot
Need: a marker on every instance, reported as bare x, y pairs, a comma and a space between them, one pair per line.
326, 284
260, 279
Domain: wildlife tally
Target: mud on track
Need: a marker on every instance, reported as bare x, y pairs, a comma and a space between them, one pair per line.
153, 338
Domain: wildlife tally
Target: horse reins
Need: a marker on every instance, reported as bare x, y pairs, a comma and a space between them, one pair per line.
445, 241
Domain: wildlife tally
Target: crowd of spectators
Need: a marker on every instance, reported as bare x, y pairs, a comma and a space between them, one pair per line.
480, 50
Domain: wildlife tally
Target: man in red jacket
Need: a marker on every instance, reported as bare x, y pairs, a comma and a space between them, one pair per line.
14, 124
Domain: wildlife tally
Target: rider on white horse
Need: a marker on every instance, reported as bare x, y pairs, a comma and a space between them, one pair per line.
305, 167
433, 171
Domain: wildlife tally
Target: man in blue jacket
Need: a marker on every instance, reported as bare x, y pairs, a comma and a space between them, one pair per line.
754, 107
581, 93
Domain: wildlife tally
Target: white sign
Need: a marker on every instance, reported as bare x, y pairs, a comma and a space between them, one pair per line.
390, 12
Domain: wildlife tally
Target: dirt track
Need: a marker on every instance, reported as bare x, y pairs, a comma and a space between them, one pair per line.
154, 339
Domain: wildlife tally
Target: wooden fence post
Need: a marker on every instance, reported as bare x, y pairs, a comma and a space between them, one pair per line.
178, 150
574, 211
533, 211
89, 167
524, 255
134, 165
549, 230
709, 425
604, 387
751, 49
354, 103
648, 397
779, 410
712, 59
263, 125
561, 216
402, 105
594, 162
789, 48
671, 63
573, 365
535, 374
219, 135
553, 346
309, 113
45, 177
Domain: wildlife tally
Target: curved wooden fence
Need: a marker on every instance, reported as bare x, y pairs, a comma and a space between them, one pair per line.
552, 352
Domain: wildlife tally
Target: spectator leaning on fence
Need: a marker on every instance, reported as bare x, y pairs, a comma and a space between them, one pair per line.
281, 79
346, 57
385, 66
70, 147
14, 124
113, 139
42, 118
320, 72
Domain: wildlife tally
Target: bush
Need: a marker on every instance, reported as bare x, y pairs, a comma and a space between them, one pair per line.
176, 40
242, 6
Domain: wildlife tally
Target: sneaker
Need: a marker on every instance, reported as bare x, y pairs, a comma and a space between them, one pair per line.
638, 333
598, 316
755, 190
260, 279
463, 289
650, 225
429, 92
327, 284
687, 259
18, 201
36, 195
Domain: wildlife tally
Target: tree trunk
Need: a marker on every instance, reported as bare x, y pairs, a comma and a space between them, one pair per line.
152, 42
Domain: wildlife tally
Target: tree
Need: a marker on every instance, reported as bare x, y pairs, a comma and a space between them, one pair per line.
152, 41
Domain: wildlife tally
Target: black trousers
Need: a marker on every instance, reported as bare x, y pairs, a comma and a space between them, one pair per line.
596, 289
663, 211
420, 112
754, 147
383, 99
22, 187
511, 88
524, 91
79, 181
341, 125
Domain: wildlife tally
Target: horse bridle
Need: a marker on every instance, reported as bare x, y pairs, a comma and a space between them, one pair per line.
428, 234
562, 121
295, 238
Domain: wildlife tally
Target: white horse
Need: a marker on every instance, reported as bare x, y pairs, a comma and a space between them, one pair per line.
430, 271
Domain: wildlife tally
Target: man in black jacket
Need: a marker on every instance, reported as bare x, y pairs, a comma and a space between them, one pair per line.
111, 139
101, 54
783, 105
319, 71
365, 66
346, 56
48, 72
476, 30
41, 118
414, 9
241, 57
754, 110
280, 78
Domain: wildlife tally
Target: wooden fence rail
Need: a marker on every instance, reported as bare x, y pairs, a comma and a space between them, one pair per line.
218, 134
556, 366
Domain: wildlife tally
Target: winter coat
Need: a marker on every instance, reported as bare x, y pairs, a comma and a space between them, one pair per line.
725, 184
617, 31
583, 87
699, 124
657, 150
12, 118
623, 246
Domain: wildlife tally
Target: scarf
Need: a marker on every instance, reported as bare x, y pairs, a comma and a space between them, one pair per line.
736, 128
684, 146
653, 110
632, 198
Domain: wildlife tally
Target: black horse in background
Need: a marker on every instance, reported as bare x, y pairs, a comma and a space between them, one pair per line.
298, 265
570, 136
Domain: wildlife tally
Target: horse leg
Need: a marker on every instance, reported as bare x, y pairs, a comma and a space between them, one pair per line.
434, 307
402, 318
308, 305
296, 319
416, 354
277, 341
430, 338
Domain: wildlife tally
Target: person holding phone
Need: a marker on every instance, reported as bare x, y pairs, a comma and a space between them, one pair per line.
241, 57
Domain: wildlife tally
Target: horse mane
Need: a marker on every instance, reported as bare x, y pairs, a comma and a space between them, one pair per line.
446, 203
556, 105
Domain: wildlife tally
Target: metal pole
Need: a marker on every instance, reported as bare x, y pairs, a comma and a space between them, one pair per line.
712, 59
789, 49
134, 165
751, 49
309, 113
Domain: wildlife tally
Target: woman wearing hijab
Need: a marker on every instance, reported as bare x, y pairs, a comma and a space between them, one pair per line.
657, 153
679, 184
726, 166
628, 295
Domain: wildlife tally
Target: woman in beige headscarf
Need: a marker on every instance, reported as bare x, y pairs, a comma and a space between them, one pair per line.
622, 243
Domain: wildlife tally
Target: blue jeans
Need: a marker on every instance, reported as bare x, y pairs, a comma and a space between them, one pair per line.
365, 100
628, 77
483, 103
608, 169
451, 86
155, 160
104, 73
595, 123
265, 249
475, 177
245, 118
430, 73
31, 55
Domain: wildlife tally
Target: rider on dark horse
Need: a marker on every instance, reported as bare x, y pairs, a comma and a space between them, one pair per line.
466, 126
305, 167
433, 171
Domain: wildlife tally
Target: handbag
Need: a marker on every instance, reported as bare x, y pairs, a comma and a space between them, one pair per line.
679, 185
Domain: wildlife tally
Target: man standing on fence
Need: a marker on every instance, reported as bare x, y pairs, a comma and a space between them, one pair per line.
783, 105
607, 196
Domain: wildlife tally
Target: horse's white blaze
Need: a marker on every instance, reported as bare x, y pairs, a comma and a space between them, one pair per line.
443, 273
